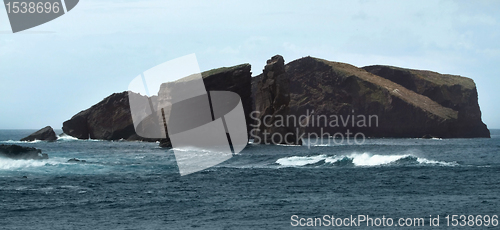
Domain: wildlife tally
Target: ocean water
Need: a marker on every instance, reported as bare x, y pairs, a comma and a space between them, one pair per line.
136, 185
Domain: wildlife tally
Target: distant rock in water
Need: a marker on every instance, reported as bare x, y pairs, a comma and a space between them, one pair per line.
45, 134
75, 160
22, 153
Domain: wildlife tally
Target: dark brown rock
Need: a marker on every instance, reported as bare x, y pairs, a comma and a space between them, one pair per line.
236, 79
75, 160
22, 153
165, 143
111, 118
451, 91
272, 96
333, 88
45, 134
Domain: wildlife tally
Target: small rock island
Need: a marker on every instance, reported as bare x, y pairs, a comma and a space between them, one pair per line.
22, 153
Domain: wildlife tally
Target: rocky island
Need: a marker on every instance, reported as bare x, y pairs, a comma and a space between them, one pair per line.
333, 96
22, 153
111, 119
44, 134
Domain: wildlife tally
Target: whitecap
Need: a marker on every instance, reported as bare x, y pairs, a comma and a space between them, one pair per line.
433, 162
361, 160
367, 159
300, 160
20, 142
64, 137
11, 164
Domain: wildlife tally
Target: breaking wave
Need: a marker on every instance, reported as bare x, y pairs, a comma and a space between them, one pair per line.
13, 164
19, 142
363, 160
63, 137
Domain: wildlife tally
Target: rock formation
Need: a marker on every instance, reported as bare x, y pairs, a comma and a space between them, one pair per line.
330, 97
272, 98
75, 160
45, 134
22, 153
451, 91
111, 118
236, 79
346, 98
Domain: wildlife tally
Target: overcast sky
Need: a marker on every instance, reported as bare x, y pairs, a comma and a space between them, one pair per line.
53, 71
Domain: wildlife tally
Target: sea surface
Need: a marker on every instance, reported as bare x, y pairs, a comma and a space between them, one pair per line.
136, 185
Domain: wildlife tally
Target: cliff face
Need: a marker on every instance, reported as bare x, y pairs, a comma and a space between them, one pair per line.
379, 101
236, 79
345, 91
455, 92
272, 98
111, 118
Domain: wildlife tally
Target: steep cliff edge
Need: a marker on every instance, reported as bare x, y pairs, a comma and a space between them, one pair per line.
378, 101
455, 92
111, 119
338, 91
272, 98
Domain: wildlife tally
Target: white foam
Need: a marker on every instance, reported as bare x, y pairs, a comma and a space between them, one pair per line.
64, 137
433, 162
19, 142
11, 164
300, 161
364, 159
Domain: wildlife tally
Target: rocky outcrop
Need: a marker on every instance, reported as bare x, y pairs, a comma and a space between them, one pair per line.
165, 143
111, 118
346, 98
75, 160
330, 97
45, 134
272, 98
451, 91
236, 79
22, 153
